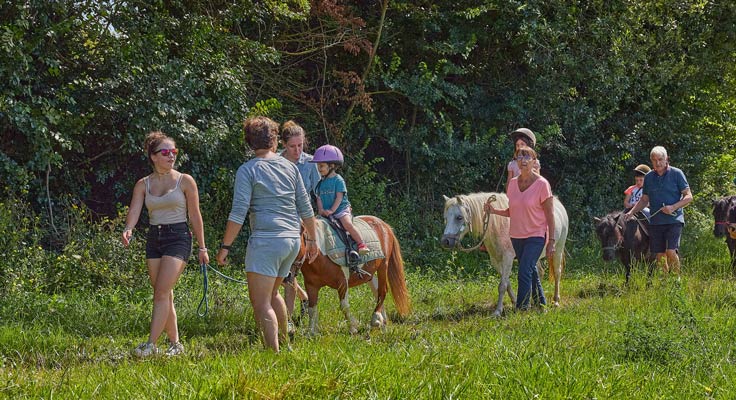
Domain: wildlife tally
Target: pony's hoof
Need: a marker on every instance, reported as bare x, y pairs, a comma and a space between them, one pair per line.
556, 303
377, 320
497, 314
353, 330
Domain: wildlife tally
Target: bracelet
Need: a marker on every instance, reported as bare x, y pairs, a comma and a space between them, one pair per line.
203, 249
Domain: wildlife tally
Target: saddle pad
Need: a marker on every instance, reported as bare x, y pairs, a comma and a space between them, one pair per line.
331, 244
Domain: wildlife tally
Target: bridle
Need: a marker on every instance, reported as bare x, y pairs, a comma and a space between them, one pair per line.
620, 228
486, 221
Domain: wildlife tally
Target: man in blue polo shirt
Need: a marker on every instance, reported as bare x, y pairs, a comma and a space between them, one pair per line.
666, 192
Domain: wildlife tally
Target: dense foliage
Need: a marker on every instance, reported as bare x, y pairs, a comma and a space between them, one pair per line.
421, 96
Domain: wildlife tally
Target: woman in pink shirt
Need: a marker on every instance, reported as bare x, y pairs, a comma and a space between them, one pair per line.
532, 218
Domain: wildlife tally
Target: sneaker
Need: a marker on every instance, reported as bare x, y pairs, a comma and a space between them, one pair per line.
175, 349
363, 249
145, 349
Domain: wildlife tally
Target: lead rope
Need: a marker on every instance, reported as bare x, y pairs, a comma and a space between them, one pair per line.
205, 286
486, 221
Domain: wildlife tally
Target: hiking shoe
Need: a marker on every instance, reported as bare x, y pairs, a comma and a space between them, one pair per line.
175, 349
145, 349
363, 249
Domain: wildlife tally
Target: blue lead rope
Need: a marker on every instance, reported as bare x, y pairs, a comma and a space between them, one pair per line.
205, 302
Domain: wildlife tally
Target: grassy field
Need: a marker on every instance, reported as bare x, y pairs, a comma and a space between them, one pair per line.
670, 340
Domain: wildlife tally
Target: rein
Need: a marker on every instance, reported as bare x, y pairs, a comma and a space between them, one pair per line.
486, 221
204, 302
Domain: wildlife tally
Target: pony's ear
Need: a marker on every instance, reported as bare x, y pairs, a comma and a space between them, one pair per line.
446, 198
459, 200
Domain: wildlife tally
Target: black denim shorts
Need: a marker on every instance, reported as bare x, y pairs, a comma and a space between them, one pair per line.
173, 240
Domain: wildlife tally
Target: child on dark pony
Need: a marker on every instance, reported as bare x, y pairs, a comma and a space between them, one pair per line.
633, 193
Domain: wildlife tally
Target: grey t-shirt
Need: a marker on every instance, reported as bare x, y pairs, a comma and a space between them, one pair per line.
272, 191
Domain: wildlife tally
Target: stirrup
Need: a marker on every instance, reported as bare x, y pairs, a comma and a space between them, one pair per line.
353, 257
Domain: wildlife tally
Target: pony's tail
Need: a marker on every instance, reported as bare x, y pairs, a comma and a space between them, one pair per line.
553, 270
397, 279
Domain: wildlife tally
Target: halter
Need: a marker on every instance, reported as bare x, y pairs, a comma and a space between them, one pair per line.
620, 242
639, 221
486, 221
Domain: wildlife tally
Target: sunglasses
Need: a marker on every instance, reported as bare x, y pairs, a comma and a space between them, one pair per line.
166, 152
524, 158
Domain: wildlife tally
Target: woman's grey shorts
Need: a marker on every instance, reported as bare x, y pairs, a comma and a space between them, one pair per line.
271, 256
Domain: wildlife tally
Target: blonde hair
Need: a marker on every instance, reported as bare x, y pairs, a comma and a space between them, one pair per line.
291, 129
526, 151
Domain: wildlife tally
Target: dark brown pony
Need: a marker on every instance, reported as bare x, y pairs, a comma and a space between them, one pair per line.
382, 273
723, 209
627, 240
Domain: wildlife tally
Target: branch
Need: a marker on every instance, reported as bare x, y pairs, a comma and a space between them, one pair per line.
48, 196
374, 50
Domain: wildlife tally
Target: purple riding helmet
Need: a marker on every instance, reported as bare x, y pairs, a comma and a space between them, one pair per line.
328, 154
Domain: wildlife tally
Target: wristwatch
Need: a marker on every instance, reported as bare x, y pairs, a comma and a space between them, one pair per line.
227, 247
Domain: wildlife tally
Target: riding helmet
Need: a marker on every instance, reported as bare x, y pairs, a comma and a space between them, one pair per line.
525, 133
642, 169
328, 154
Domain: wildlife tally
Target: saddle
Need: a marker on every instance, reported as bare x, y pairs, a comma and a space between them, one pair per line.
334, 242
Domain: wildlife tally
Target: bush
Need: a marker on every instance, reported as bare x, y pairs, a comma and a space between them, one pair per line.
91, 255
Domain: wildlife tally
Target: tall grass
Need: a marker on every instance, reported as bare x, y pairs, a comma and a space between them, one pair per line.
669, 340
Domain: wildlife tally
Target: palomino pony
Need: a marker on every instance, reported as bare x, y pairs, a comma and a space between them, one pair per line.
464, 215
721, 212
626, 239
382, 273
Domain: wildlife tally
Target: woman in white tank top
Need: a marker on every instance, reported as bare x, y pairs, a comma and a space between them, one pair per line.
170, 197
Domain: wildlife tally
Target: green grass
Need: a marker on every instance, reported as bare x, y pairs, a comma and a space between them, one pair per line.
670, 340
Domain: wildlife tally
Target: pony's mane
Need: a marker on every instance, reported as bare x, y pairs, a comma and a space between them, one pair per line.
475, 202
613, 214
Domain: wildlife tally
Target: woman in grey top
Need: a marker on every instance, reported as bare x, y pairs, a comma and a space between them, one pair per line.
271, 190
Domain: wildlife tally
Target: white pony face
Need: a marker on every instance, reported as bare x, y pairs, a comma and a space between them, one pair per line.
456, 223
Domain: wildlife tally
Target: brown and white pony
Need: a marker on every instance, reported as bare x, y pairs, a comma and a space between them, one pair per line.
464, 216
381, 273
